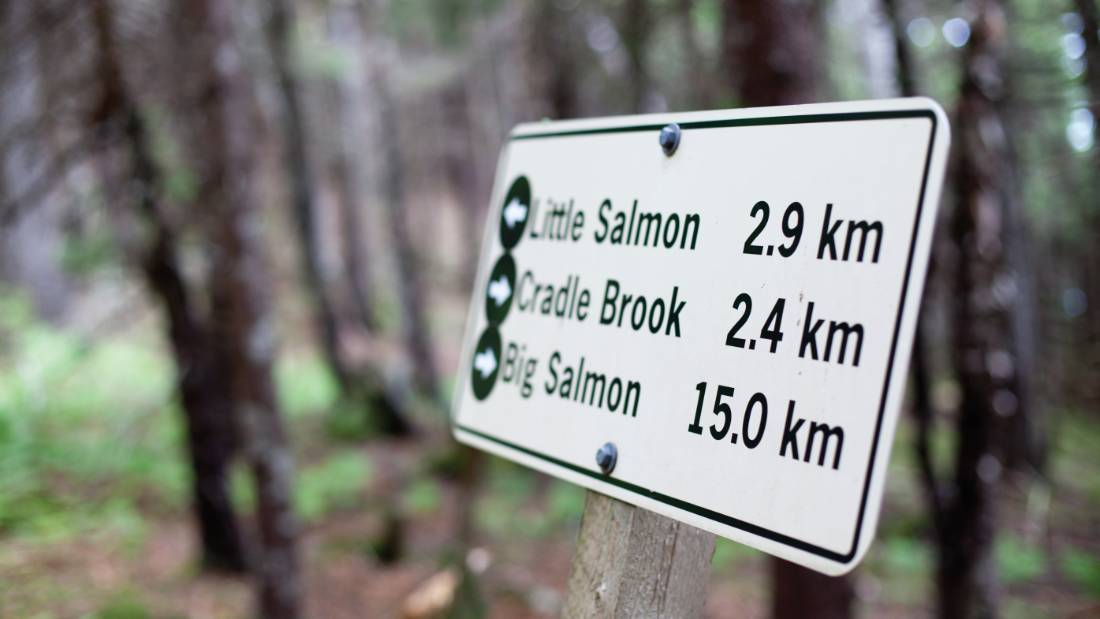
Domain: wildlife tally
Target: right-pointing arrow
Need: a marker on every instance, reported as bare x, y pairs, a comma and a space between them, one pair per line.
499, 290
485, 362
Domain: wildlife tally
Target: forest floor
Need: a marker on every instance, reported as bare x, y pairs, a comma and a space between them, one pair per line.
94, 520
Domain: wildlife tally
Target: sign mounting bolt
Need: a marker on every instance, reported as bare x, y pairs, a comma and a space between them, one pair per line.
606, 457
669, 138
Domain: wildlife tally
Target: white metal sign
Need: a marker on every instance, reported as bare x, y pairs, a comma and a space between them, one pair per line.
728, 325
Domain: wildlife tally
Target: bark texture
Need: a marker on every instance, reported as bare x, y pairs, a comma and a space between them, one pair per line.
241, 303
1090, 18
417, 330
299, 175
701, 93
773, 50
984, 294
200, 370
552, 62
636, 29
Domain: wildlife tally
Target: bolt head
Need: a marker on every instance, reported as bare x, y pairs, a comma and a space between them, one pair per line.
606, 457
669, 138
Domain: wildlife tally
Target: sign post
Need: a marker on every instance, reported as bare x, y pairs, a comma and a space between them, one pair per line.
707, 316
631, 562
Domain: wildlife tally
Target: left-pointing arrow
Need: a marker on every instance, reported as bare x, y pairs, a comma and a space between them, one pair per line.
514, 213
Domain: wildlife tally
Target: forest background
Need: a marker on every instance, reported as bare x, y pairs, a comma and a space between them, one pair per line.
237, 243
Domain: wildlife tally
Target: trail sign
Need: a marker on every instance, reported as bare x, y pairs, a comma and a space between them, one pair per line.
726, 320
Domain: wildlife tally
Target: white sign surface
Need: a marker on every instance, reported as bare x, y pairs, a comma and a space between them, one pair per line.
736, 318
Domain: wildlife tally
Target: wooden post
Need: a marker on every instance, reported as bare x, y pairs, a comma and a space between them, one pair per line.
631, 562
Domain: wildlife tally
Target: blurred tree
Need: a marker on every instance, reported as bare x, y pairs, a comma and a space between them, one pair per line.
903, 57
1090, 18
773, 52
553, 68
200, 370
460, 165
360, 387
29, 161
414, 322
921, 383
296, 158
636, 29
342, 174
702, 95
241, 285
983, 299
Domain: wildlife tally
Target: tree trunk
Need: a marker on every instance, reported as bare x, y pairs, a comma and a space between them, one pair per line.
773, 52
903, 57
799, 592
353, 244
360, 386
299, 175
982, 351
701, 90
30, 214
635, 34
920, 361
1090, 352
346, 129
241, 307
415, 322
460, 165
551, 63
200, 378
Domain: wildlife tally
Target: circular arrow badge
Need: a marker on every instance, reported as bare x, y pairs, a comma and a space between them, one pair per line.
486, 362
499, 292
513, 216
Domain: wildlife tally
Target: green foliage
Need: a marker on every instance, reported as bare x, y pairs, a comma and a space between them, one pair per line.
422, 496
1083, 569
500, 507
905, 555
81, 421
316, 57
441, 21
510, 505
1076, 468
1018, 561
124, 605
336, 483
181, 183
305, 385
728, 554
565, 502
85, 253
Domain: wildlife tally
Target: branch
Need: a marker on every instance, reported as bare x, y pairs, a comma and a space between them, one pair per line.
924, 413
41, 186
